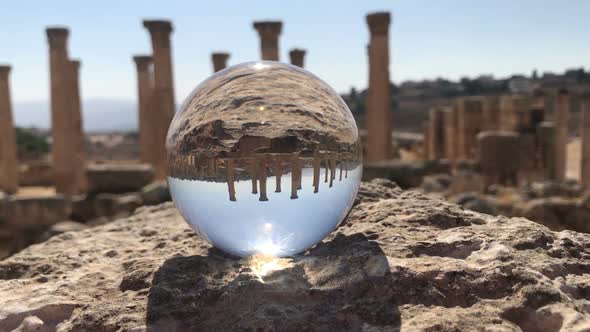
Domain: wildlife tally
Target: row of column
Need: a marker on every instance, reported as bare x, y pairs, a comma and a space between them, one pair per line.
156, 105
452, 132
258, 169
67, 148
219, 59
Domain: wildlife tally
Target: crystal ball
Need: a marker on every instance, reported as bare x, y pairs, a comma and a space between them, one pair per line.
263, 158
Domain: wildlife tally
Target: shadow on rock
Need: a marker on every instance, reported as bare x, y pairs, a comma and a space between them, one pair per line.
338, 285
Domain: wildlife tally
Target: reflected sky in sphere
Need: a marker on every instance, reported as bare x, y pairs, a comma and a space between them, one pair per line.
280, 226
263, 157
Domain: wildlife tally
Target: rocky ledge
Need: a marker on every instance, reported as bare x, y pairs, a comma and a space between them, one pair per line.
400, 261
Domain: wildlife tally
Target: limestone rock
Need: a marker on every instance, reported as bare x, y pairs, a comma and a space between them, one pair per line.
62, 227
155, 193
118, 178
437, 183
92, 207
407, 174
557, 213
474, 202
400, 261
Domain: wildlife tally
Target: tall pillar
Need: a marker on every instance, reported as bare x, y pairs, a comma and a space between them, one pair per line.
269, 32
79, 175
262, 178
469, 122
231, 188
546, 139
278, 170
561, 133
163, 93
146, 118
426, 146
8, 156
316, 172
219, 61
62, 131
254, 175
379, 94
297, 56
491, 113
436, 138
294, 177
450, 133
585, 176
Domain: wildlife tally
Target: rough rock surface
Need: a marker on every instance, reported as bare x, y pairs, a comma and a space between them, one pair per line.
400, 261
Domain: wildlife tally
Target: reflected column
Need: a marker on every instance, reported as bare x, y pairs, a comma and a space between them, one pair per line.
262, 178
230, 180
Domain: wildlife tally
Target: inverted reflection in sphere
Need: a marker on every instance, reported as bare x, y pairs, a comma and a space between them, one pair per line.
263, 157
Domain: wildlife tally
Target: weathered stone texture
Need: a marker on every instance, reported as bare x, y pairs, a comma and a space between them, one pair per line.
400, 261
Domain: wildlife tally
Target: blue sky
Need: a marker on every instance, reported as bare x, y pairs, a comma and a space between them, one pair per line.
428, 39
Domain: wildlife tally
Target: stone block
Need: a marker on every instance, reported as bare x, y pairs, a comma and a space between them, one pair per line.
115, 178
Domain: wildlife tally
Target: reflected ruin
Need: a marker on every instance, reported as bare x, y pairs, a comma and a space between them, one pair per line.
258, 168
247, 153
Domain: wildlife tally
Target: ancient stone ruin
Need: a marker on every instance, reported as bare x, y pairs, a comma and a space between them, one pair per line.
494, 234
400, 261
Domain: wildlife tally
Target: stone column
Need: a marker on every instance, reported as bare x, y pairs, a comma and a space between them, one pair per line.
436, 137
294, 177
469, 122
585, 176
426, 152
8, 156
269, 32
262, 178
297, 57
316, 172
231, 188
491, 113
327, 165
450, 133
278, 170
379, 94
62, 132
163, 93
561, 134
79, 175
145, 118
254, 175
546, 139
219, 61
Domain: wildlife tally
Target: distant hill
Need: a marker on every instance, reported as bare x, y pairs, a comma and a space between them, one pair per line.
99, 114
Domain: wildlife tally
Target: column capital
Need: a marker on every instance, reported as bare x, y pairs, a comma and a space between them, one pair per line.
297, 52
142, 61
158, 26
379, 22
4, 71
268, 28
57, 36
219, 56
76, 63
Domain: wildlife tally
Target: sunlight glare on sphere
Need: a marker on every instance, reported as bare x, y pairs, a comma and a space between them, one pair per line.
263, 158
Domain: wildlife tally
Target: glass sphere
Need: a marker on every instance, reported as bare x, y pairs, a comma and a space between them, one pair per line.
263, 157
